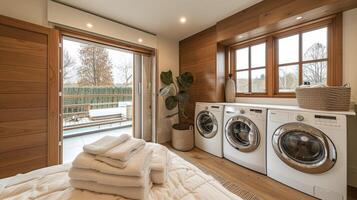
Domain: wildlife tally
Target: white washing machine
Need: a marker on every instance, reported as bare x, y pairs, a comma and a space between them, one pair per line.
245, 136
307, 151
208, 127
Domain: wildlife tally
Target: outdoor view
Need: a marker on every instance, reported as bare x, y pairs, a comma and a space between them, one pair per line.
97, 93
314, 59
251, 59
250, 62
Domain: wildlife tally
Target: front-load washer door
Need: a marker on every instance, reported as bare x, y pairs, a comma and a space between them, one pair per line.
206, 124
242, 134
304, 148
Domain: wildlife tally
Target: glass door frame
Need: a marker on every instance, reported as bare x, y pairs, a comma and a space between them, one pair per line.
102, 40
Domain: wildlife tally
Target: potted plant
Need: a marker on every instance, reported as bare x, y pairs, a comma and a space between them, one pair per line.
177, 96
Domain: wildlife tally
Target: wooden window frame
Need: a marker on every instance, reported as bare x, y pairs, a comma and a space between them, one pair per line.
249, 69
334, 57
99, 39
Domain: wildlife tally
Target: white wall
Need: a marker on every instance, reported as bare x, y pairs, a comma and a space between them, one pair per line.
70, 17
35, 11
168, 59
350, 76
350, 50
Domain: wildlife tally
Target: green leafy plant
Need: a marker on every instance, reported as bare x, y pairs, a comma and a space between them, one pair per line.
176, 95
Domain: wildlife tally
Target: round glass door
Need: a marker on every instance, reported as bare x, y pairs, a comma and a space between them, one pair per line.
304, 148
206, 124
242, 134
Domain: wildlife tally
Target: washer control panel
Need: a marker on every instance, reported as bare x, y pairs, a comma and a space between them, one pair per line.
246, 111
325, 120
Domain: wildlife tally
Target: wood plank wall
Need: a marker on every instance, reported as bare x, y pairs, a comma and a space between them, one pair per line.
272, 15
198, 55
26, 78
203, 53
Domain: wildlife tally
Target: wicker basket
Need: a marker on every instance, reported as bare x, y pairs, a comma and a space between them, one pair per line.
332, 98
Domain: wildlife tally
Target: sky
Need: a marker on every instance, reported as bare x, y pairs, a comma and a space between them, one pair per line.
117, 56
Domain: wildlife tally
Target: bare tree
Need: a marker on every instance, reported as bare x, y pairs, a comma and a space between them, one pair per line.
315, 72
288, 80
126, 74
68, 66
96, 67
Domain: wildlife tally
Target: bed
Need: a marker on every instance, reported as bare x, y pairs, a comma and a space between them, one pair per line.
185, 182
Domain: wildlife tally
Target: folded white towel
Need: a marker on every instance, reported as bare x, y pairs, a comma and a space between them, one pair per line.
104, 144
136, 167
140, 193
108, 179
159, 163
112, 162
125, 150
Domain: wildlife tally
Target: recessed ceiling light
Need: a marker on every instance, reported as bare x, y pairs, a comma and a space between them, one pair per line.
140, 40
298, 17
241, 36
89, 25
183, 20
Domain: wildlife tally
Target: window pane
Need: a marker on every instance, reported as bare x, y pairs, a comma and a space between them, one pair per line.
315, 73
242, 82
289, 49
258, 80
242, 58
314, 44
288, 78
258, 55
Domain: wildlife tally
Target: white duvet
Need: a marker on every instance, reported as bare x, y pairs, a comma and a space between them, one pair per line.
185, 182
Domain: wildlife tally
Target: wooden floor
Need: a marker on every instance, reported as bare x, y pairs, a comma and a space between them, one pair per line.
262, 186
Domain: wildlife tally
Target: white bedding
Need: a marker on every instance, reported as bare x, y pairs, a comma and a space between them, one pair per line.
185, 182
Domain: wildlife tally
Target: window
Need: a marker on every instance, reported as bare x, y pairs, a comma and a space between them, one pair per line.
277, 63
250, 68
302, 58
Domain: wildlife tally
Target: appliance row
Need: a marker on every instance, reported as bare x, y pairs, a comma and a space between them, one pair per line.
305, 150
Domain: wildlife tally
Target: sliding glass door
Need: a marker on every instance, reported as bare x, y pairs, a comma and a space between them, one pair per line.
144, 97
106, 91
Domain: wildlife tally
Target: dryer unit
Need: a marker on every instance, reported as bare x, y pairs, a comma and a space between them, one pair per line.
208, 127
307, 151
245, 136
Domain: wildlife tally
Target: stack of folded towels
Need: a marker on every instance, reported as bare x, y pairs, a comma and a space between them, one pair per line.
122, 166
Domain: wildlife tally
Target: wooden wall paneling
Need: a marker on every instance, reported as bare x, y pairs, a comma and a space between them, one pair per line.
201, 53
272, 15
28, 92
245, 20
23, 166
23, 127
220, 73
335, 53
53, 98
198, 55
270, 66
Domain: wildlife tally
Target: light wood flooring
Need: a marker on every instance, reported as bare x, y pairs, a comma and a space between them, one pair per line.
260, 185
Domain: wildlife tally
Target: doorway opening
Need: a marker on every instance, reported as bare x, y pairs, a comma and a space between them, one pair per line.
101, 86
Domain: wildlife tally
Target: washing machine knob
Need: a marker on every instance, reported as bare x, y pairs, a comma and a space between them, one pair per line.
300, 118
242, 111
206, 107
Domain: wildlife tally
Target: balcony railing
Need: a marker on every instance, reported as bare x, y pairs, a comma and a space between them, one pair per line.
93, 106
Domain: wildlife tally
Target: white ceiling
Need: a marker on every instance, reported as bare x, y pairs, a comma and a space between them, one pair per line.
161, 17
